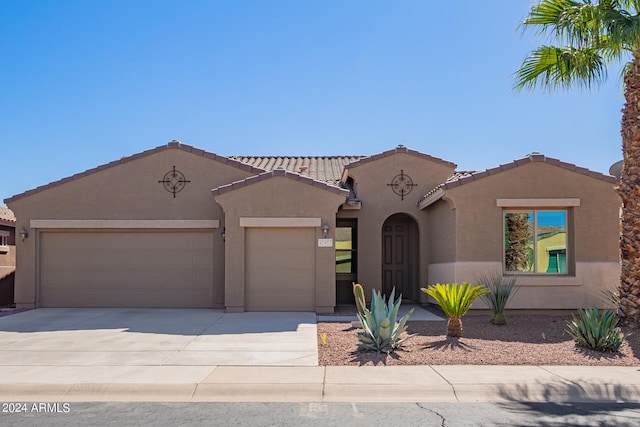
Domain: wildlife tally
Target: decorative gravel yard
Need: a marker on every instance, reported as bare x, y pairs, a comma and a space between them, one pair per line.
526, 340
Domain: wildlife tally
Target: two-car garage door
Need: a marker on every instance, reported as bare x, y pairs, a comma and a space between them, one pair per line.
126, 269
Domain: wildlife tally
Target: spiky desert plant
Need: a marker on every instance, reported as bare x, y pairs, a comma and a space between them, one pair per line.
455, 300
596, 331
382, 333
501, 288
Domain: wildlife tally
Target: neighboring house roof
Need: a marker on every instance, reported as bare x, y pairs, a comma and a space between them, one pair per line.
279, 172
327, 169
171, 145
7, 217
461, 178
6, 271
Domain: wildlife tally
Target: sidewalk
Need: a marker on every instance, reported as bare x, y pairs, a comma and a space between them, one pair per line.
206, 355
325, 384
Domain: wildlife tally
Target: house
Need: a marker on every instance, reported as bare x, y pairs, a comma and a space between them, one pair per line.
7, 256
176, 226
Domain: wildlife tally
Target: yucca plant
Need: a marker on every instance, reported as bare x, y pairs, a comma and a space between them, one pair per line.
382, 333
455, 300
596, 331
501, 288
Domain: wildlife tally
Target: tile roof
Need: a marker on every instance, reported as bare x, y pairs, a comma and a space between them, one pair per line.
171, 145
460, 178
279, 172
327, 169
7, 216
5, 271
401, 149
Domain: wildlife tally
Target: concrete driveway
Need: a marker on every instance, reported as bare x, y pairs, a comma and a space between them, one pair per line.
50, 337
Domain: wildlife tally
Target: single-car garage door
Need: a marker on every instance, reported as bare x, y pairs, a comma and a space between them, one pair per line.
280, 269
126, 269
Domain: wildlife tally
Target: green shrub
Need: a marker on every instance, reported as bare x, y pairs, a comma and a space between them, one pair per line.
455, 300
381, 331
596, 331
501, 288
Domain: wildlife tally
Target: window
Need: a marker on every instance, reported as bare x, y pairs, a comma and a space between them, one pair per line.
344, 250
4, 243
548, 229
346, 245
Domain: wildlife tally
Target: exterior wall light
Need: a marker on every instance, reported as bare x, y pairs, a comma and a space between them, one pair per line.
24, 233
325, 230
223, 233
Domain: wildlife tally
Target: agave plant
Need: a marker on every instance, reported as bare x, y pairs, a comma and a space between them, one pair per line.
501, 288
455, 300
382, 333
596, 331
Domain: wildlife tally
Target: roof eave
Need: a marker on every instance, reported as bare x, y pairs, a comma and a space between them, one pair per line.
431, 198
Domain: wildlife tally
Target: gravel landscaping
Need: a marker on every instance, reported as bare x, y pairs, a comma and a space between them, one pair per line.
526, 340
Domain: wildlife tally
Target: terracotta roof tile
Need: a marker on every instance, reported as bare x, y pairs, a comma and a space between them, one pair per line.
283, 173
6, 271
401, 149
327, 169
7, 215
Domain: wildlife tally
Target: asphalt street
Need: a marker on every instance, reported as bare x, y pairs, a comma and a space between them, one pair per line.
323, 414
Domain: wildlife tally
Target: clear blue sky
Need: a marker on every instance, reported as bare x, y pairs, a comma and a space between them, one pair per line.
87, 82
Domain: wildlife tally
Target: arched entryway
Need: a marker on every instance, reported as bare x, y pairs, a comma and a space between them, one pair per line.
400, 265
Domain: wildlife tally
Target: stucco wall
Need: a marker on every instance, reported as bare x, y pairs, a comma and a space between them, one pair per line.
379, 203
593, 235
479, 219
442, 238
129, 190
280, 197
584, 289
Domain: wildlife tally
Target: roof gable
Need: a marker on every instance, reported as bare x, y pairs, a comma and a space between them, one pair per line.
398, 150
462, 178
173, 145
278, 172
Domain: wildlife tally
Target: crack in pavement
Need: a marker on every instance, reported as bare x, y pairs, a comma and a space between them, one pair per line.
442, 418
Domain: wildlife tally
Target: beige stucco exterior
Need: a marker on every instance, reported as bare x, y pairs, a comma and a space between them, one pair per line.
248, 238
283, 203
379, 203
475, 209
124, 191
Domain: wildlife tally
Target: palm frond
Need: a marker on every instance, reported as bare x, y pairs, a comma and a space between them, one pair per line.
560, 68
585, 37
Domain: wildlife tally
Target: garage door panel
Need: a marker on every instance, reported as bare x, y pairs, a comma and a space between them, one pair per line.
126, 269
280, 269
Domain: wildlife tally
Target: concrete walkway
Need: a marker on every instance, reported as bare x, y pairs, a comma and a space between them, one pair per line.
184, 355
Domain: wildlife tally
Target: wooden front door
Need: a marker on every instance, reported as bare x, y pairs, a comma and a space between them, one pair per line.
400, 256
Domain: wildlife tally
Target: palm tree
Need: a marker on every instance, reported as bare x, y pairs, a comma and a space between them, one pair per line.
591, 37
